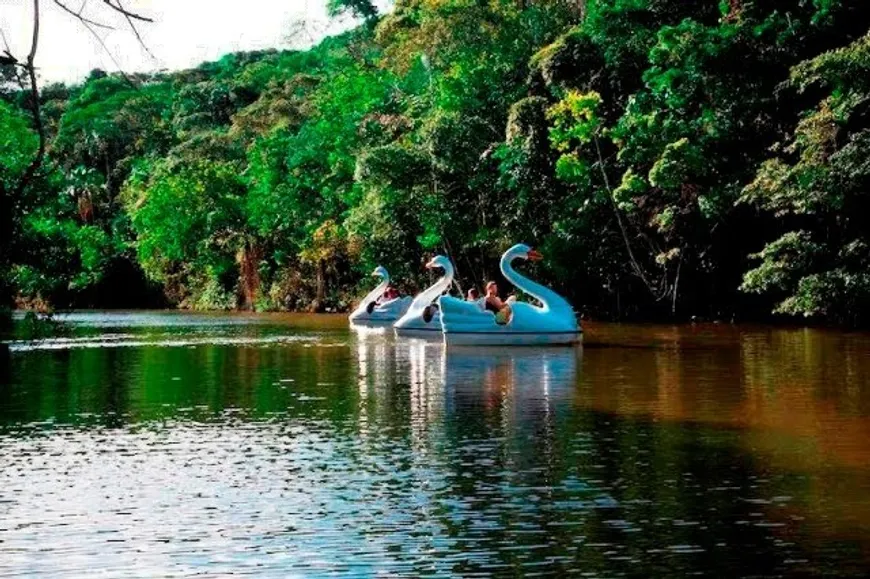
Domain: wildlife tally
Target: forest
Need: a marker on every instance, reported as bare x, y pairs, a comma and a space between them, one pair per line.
670, 159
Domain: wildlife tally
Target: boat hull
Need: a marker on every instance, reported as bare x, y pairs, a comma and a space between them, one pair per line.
433, 333
386, 313
372, 323
418, 324
507, 338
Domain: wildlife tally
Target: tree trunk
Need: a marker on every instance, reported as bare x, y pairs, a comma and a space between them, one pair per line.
249, 273
735, 7
320, 287
30, 68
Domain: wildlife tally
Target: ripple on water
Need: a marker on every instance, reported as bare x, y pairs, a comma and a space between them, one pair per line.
159, 341
249, 496
156, 451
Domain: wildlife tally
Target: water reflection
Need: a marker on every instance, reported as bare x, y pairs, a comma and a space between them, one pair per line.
529, 377
802, 383
674, 451
375, 357
514, 384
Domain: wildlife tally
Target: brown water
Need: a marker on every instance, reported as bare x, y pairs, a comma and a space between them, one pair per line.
167, 444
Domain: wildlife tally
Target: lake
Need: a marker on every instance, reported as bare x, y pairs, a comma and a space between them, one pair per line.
171, 444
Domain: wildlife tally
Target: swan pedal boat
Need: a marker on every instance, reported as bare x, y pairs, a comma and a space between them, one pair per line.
553, 323
370, 312
423, 319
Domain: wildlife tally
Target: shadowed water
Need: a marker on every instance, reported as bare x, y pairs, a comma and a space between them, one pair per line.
151, 445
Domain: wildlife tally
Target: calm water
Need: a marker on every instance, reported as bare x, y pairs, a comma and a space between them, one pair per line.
173, 444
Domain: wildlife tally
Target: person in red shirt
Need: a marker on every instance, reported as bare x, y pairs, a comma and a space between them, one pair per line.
390, 293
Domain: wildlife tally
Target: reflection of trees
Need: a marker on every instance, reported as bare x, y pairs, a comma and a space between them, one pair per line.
586, 489
82, 386
120, 385
795, 399
668, 373
472, 459
797, 383
807, 402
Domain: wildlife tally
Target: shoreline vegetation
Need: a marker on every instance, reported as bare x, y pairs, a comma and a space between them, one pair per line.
672, 160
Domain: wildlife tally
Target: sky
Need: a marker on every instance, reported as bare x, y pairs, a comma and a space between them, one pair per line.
184, 33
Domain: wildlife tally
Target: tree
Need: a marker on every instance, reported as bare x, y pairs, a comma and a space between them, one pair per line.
24, 72
817, 188
647, 146
17, 145
190, 228
359, 8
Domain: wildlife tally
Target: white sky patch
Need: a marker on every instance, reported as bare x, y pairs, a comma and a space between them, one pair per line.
184, 33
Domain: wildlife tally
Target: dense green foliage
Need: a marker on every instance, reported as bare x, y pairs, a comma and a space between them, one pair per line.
669, 157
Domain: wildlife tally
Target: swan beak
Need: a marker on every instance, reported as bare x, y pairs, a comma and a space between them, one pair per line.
535, 256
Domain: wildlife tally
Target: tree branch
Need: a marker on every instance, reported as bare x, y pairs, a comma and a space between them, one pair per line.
30, 68
89, 25
99, 38
638, 270
118, 8
13, 61
135, 30
78, 15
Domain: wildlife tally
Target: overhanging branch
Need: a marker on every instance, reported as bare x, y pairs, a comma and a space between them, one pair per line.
117, 7
135, 30
30, 69
78, 14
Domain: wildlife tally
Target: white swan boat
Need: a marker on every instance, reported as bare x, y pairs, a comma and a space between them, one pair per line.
551, 323
370, 311
423, 319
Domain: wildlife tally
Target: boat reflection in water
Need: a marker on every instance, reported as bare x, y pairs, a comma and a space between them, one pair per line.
514, 384
376, 368
479, 437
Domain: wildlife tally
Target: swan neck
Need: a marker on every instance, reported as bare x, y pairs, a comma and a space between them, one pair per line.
549, 299
378, 291
436, 289
382, 287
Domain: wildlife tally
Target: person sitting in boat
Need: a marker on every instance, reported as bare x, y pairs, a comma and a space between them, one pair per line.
390, 293
473, 295
494, 304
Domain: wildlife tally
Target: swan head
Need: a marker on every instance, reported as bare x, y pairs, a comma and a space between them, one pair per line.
439, 261
523, 251
381, 272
